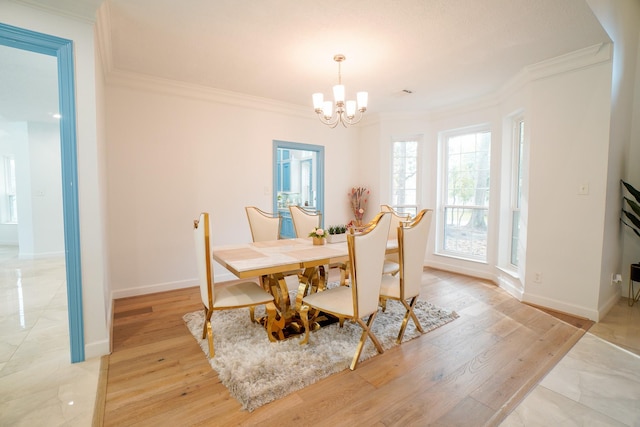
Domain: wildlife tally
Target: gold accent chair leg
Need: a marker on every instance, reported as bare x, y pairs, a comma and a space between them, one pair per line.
383, 304
366, 332
207, 331
304, 315
405, 321
275, 323
633, 299
252, 313
210, 339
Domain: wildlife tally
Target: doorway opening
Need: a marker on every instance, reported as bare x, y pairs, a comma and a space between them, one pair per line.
62, 50
298, 180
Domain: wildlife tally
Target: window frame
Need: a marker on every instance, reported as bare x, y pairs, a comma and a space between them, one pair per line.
443, 187
411, 209
516, 184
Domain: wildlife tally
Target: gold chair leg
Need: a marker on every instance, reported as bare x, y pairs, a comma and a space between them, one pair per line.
405, 321
366, 332
304, 316
633, 298
383, 304
210, 339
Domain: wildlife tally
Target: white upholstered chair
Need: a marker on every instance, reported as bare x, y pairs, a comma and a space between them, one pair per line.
264, 225
391, 265
359, 301
228, 296
412, 245
304, 221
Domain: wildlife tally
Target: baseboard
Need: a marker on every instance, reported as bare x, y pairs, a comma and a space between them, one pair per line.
479, 273
602, 311
96, 349
152, 289
560, 306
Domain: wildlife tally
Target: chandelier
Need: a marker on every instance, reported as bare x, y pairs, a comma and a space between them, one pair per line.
345, 111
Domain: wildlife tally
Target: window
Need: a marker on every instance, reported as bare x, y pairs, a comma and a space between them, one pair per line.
9, 203
516, 185
466, 194
404, 176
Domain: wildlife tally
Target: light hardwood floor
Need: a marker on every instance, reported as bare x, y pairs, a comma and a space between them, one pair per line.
472, 371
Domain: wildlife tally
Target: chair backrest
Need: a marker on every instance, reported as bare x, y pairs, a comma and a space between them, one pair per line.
304, 221
412, 245
201, 232
263, 225
396, 220
366, 258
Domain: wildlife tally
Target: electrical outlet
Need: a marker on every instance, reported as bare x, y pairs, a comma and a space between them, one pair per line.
616, 278
537, 277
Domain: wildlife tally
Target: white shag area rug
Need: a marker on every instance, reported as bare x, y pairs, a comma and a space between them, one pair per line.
257, 371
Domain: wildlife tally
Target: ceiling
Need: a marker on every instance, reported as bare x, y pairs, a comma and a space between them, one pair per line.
443, 51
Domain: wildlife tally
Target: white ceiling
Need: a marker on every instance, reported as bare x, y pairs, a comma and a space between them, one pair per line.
444, 51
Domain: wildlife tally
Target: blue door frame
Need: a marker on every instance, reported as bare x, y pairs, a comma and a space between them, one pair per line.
287, 225
62, 49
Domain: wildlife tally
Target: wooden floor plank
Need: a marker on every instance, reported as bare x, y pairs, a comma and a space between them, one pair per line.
471, 371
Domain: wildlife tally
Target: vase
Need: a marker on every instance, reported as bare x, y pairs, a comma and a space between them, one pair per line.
318, 241
336, 238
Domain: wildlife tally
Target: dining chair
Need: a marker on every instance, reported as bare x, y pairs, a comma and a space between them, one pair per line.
227, 296
359, 301
412, 245
304, 220
264, 225
391, 265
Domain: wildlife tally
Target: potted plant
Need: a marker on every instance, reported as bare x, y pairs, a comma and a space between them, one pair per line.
337, 233
318, 235
631, 218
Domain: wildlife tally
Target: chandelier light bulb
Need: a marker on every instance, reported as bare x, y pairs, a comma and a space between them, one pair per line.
318, 99
363, 98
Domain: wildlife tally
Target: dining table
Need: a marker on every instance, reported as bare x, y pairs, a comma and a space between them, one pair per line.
271, 261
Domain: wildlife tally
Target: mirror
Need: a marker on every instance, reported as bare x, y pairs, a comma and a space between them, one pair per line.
298, 180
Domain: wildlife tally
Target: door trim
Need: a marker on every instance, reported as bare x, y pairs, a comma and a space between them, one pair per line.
62, 49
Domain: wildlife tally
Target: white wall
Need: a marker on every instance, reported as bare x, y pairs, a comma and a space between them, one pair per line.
91, 220
45, 218
566, 104
569, 117
621, 20
177, 150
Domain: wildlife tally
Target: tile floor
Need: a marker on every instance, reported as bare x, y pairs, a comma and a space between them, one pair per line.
38, 384
597, 383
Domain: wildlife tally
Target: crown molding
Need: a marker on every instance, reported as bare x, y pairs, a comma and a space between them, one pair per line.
576, 60
170, 87
78, 16
102, 32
